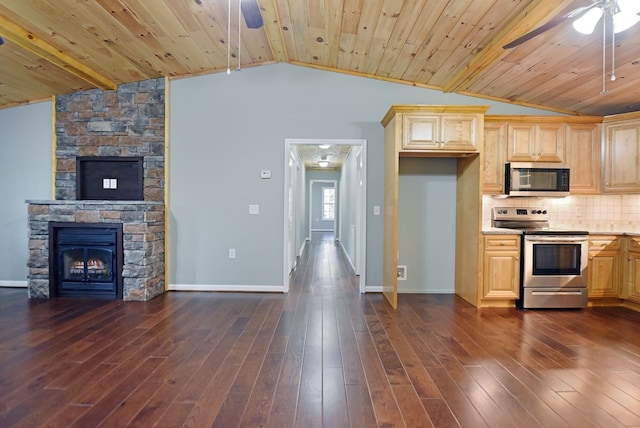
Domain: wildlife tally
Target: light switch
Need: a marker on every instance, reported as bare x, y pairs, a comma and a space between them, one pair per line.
376, 210
265, 174
254, 209
109, 183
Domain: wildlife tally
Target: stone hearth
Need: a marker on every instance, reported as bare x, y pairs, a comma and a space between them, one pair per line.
143, 242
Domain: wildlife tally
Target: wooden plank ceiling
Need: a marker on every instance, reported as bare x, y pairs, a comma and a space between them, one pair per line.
61, 46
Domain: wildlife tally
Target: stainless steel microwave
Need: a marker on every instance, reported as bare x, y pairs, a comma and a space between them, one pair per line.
536, 179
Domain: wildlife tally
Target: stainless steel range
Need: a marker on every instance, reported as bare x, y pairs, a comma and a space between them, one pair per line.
553, 263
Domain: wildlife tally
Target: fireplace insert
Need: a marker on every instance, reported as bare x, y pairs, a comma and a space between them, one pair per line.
85, 260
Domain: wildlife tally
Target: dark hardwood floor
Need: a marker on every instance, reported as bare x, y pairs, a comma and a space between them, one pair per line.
321, 355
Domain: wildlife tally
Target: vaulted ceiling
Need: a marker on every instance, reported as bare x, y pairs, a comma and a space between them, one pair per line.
61, 46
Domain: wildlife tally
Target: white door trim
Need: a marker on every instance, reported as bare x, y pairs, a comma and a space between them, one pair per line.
362, 239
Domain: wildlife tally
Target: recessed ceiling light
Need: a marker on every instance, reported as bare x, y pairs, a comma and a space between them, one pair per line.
323, 164
324, 146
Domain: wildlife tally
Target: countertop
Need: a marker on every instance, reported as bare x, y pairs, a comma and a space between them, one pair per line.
502, 231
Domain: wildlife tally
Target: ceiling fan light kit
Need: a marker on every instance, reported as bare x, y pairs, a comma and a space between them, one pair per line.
587, 22
624, 15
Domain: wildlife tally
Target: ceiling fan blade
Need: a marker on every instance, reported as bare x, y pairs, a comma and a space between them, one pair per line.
251, 13
574, 14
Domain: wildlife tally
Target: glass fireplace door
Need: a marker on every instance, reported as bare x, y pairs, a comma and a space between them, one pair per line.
87, 268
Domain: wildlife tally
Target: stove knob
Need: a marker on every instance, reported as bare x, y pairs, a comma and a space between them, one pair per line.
544, 212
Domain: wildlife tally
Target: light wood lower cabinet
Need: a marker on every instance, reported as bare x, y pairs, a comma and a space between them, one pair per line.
501, 274
632, 271
604, 274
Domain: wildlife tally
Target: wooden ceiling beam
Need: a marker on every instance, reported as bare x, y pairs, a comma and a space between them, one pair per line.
534, 15
28, 41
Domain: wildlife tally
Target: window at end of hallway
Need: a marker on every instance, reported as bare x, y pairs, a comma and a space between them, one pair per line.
328, 203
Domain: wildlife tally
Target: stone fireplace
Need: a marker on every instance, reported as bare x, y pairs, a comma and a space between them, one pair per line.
115, 130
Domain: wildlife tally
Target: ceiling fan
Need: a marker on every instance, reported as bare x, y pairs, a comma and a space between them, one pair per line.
622, 13
250, 13
252, 17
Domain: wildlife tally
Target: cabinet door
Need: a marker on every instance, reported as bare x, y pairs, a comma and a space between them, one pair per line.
583, 157
622, 158
604, 273
633, 270
521, 142
421, 132
549, 142
458, 132
530, 142
493, 154
501, 267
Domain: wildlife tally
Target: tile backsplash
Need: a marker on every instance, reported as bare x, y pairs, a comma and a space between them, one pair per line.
595, 213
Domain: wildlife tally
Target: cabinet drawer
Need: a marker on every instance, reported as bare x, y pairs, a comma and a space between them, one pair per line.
502, 242
602, 243
634, 244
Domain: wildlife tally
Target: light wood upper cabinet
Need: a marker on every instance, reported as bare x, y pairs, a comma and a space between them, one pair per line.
494, 154
622, 154
440, 132
583, 147
531, 142
574, 141
434, 129
604, 273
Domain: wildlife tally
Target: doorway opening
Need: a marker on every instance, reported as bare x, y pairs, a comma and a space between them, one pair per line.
349, 225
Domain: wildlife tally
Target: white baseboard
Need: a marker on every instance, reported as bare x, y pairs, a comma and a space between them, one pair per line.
373, 288
13, 284
232, 288
344, 251
423, 291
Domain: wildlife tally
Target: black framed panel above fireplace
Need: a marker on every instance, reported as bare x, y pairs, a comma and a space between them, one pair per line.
110, 178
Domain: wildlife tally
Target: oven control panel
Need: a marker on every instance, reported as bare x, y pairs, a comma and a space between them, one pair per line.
520, 214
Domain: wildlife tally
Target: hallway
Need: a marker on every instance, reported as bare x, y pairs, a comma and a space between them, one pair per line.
323, 355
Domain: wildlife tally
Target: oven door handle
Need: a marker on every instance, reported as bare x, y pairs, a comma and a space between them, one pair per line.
555, 239
557, 293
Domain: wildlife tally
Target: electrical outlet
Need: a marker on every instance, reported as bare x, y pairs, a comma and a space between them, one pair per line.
402, 273
232, 253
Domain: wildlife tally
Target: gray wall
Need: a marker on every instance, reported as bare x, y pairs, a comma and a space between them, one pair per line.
223, 131
427, 224
25, 173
